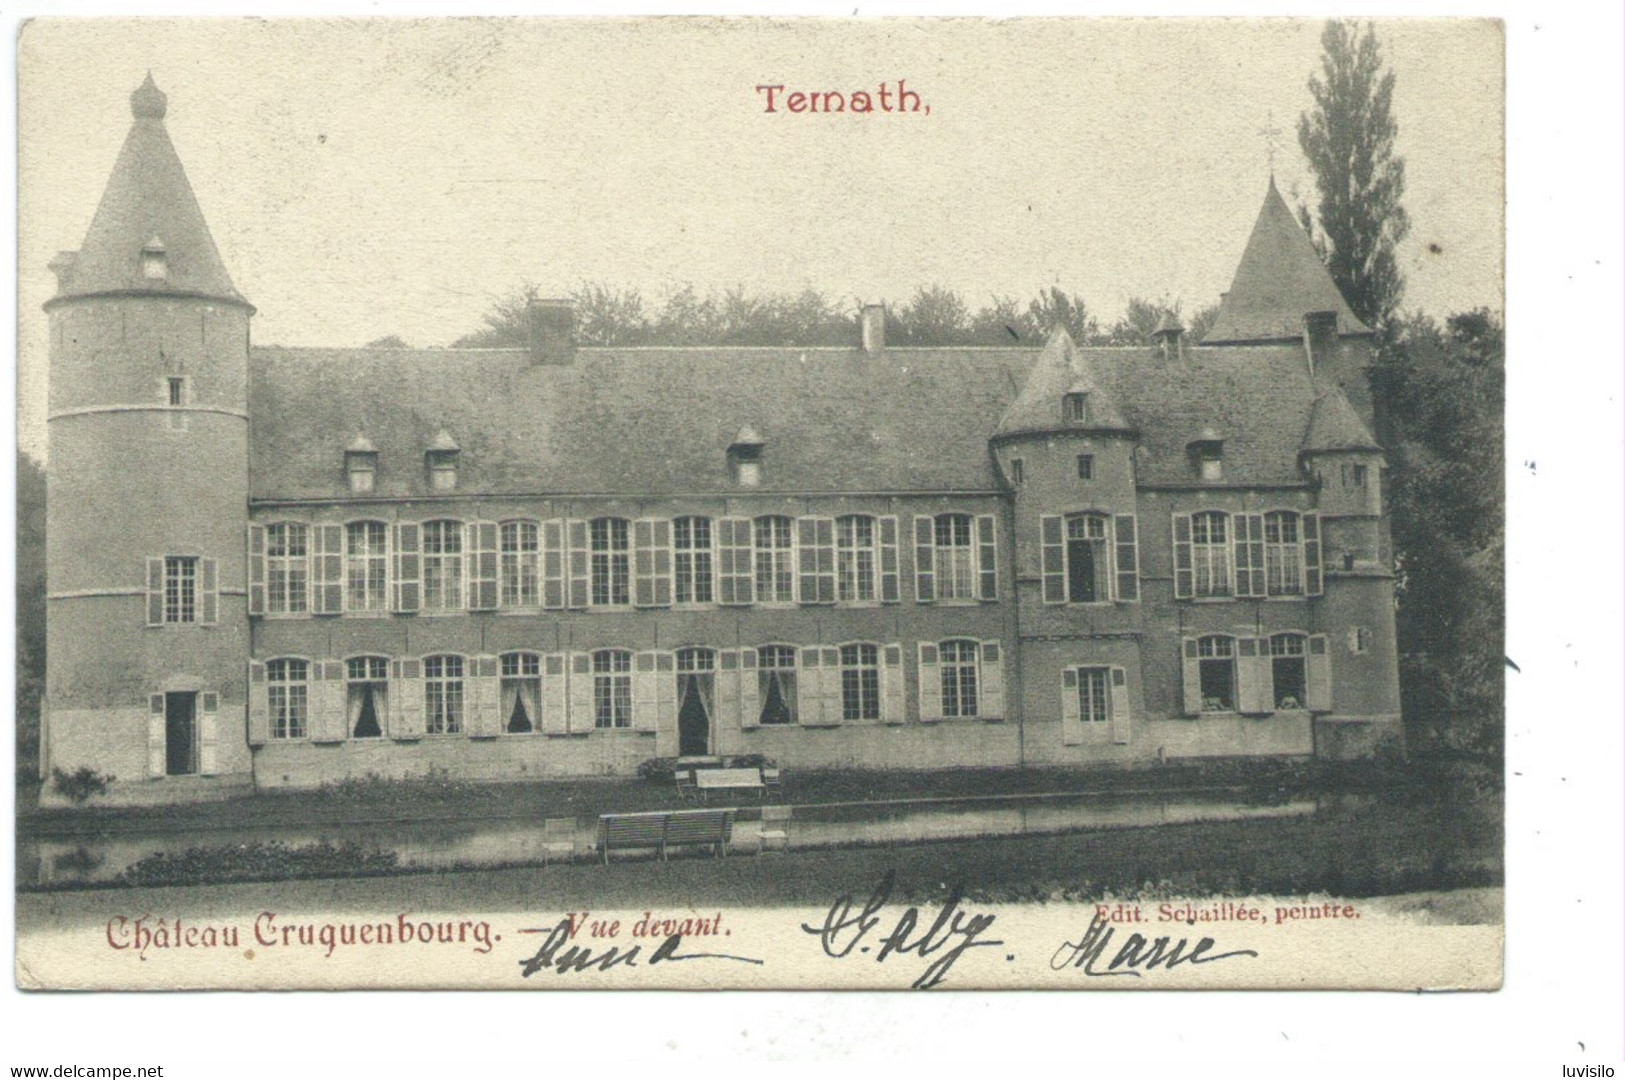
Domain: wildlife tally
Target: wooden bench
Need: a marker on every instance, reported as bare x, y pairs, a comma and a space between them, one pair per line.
665, 829
709, 780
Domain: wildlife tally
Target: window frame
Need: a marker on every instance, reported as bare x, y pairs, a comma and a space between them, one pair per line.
966, 553
367, 678
788, 694
1206, 555
365, 561
611, 685
454, 699
609, 567
512, 565
520, 676
777, 560
956, 673
849, 557
1105, 543
182, 590
439, 571
295, 694
285, 566
691, 563
1279, 651
859, 671
1230, 659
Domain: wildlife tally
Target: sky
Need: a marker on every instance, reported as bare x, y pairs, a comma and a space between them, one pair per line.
368, 178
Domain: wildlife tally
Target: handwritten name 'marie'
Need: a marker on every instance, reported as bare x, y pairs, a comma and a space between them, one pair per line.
885, 99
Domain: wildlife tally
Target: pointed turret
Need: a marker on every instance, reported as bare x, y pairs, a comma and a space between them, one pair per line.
1062, 391
1279, 282
148, 235
1334, 425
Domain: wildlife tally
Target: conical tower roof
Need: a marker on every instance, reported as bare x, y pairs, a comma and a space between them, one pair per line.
147, 205
1334, 425
1061, 369
1279, 280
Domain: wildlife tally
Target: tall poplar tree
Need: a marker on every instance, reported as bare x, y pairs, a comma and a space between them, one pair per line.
1348, 138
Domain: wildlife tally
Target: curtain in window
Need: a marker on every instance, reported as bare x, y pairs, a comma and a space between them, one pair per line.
520, 709
366, 708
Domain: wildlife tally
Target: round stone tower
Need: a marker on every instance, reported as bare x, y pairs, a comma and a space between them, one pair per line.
147, 480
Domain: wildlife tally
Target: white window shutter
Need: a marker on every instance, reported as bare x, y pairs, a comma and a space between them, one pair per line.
1120, 705
1127, 557
256, 569
750, 702
209, 572
1318, 674
1249, 554
582, 716
892, 690
156, 736
155, 594
259, 705
485, 697
555, 695
987, 544
327, 566
1249, 693
735, 570
553, 558
1184, 571
925, 549
991, 703
325, 701
645, 693
727, 690
810, 687
930, 683
643, 572
406, 694
1052, 549
890, 588
1312, 572
482, 565
580, 565
666, 692
1192, 670
662, 557
208, 730
830, 683
1266, 675
815, 542
408, 587
1071, 714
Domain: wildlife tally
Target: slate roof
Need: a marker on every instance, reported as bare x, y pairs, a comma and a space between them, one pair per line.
657, 421
147, 197
1334, 425
1277, 282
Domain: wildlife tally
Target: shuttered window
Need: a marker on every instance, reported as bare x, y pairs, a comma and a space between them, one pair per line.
520, 568
692, 537
442, 566
287, 556
855, 558
860, 682
366, 566
443, 695
612, 688
288, 697
611, 562
775, 561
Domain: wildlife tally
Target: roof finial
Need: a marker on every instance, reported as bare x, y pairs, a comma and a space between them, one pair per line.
148, 102
1272, 140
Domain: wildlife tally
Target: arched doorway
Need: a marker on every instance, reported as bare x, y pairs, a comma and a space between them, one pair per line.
696, 698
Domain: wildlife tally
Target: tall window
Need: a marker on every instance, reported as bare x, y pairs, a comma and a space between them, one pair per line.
177, 391
1088, 565
366, 695
520, 548
855, 558
860, 682
692, 559
1210, 552
955, 557
1216, 656
442, 565
180, 589
775, 563
289, 693
1092, 707
287, 568
959, 678
521, 692
1283, 553
1287, 668
612, 688
443, 694
611, 563
366, 566
776, 683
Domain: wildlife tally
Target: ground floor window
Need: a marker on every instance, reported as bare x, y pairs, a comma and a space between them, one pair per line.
612, 688
367, 696
776, 683
959, 672
521, 693
443, 694
860, 682
289, 694
1217, 659
1092, 705
1287, 667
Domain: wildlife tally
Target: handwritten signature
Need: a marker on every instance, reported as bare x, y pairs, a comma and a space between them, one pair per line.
579, 958
953, 930
1137, 952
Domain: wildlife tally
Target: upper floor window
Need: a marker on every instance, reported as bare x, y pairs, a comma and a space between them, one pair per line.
443, 694
860, 682
520, 551
521, 692
177, 390
1283, 554
855, 558
955, 557
776, 683
289, 698
366, 695
287, 550
1088, 560
1018, 471
180, 589
1210, 553
692, 557
442, 565
612, 688
366, 566
959, 672
611, 566
775, 561
1086, 466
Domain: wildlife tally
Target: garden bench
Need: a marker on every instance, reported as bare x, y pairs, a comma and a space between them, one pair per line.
663, 829
747, 780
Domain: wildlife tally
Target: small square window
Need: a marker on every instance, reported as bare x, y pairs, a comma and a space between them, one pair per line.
1086, 466
1018, 471
177, 391
1076, 408
443, 478
1212, 468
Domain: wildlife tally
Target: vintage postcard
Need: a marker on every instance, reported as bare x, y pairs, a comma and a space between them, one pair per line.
760, 504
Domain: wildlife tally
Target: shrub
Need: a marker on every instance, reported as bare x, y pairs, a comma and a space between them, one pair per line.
258, 861
80, 784
659, 770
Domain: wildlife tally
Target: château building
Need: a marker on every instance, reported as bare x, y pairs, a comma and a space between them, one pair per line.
284, 567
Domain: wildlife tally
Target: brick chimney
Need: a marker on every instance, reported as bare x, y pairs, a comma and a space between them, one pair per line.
552, 331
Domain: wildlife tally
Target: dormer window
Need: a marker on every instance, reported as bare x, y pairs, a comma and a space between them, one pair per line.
154, 260
1075, 407
441, 459
1207, 457
745, 457
361, 466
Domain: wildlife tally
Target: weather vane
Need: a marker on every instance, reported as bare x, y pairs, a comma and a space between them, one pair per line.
1272, 138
